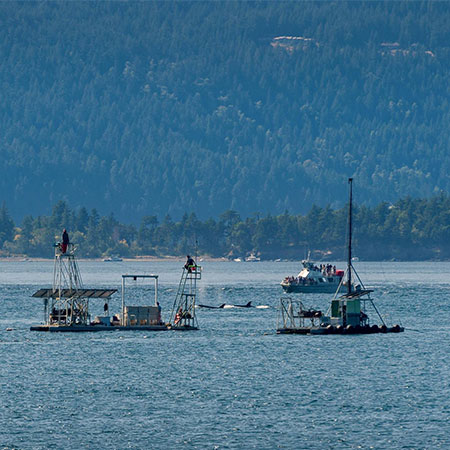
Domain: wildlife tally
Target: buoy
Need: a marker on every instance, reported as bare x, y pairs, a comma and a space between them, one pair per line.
374, 329
339, 329
383, 329
349, 329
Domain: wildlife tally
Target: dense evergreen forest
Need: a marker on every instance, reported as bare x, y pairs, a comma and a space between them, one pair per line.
410, 229
155, 108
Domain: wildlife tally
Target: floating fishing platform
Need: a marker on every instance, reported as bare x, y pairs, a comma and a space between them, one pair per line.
66, 304
347, 317
347, 314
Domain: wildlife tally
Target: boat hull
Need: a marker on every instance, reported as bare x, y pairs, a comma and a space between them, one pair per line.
303, 330
183, 328
319, 289
337, 330
91, 328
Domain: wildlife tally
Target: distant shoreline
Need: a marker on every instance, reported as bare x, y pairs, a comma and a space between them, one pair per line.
203, 259
137, 258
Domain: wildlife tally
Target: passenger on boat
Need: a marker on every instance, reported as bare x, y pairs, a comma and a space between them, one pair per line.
115, 320
178, 315
64, 241
190, 264
159, 313
363, 318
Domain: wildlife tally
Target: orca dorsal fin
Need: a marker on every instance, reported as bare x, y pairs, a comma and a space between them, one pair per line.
222, 305
249, 304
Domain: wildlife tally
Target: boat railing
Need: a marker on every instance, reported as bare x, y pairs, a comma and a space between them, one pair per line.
71, 249
194, 272
293, 314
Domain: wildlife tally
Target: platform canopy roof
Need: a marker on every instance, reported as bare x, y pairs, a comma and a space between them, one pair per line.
77, 293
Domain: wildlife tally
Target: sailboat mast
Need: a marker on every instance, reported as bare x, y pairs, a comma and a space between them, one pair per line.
349, 258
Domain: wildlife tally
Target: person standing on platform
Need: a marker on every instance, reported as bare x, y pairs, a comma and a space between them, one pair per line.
159, 313
190, 264
65, 241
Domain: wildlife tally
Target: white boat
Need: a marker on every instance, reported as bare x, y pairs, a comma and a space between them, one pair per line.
312, 278
252, 258
112, 259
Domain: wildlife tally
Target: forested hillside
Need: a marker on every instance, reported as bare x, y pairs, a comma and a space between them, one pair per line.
155, 108
410, 229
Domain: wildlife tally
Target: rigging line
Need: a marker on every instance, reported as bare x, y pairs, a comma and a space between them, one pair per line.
344, 248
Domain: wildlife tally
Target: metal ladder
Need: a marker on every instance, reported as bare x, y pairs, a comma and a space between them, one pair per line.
183, 310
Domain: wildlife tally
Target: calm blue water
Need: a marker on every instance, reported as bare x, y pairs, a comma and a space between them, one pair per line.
234, 383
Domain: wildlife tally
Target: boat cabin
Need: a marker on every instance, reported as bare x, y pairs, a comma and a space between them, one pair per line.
347, 310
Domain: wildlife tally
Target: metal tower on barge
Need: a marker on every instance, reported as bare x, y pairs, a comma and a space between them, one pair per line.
66, 304
183, 316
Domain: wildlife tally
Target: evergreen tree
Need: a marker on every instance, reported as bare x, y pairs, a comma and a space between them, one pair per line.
6, 226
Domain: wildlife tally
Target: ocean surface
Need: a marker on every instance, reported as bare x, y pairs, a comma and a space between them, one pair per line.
234, 383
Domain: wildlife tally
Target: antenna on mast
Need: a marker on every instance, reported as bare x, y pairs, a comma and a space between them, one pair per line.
349, 258
196, 250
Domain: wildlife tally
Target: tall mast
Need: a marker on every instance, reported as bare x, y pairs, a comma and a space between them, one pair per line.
349, 259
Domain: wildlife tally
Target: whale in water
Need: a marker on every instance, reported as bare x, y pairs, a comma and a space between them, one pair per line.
248, 305
212, 307
224, 305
